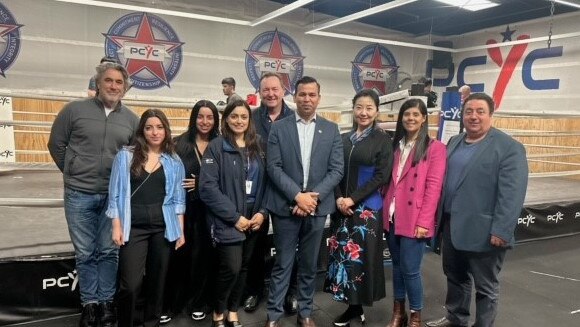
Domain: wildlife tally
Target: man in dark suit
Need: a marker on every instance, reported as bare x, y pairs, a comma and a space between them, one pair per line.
272, 108
305, 163
483, 195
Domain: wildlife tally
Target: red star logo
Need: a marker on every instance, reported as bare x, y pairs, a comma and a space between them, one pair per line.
283, 63
145, 40
6, 29
374, 74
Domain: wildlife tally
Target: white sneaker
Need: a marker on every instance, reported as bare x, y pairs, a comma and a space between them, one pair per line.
198, 315
164, 319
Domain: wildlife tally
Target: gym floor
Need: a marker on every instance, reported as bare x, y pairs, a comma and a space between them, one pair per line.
540, 287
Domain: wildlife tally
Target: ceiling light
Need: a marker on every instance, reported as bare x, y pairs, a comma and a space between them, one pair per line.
361, 14
281, 11
107, 4
568, 3
471, 5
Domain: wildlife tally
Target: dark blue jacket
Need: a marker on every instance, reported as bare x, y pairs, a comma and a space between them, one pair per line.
222, 187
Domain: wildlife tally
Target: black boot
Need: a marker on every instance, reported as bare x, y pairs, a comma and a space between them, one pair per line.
108, 315
89, 315
351, 312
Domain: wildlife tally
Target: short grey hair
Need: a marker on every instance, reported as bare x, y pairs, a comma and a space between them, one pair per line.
102, 68
465, 88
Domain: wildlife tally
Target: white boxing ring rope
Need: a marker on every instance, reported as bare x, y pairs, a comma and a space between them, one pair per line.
51, 203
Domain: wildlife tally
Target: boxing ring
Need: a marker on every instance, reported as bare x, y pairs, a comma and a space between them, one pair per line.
37, 275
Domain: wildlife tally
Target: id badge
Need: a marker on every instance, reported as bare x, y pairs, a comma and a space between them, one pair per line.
248, 187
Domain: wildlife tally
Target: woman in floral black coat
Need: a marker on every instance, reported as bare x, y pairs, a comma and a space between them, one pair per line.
355, 271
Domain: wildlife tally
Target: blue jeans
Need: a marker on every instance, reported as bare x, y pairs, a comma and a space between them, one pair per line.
407, 254
95, 253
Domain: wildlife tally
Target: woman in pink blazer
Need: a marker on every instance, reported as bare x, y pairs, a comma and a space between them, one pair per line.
410, 205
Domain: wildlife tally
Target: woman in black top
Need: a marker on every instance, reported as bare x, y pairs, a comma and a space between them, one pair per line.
146, 204
355, 273
232, 183
188, 278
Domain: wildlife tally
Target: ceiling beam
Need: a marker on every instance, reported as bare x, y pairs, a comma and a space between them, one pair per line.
568, 3
381, 41
294, 5
361, 14
431, 47
107, 4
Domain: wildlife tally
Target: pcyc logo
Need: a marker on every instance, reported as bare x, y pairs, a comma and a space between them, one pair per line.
70, 280
527, 220
556, 218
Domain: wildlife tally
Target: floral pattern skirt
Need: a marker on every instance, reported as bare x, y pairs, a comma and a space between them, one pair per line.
355, 272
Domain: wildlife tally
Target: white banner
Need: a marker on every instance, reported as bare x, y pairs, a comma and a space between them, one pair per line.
7, 147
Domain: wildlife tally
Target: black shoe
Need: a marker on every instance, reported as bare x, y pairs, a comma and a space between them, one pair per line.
290, 304
107, 314
251, 303
218, 323
89, 315
351, 312
234, 323
443, 322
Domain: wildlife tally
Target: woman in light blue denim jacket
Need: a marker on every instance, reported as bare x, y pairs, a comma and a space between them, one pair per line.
146, 203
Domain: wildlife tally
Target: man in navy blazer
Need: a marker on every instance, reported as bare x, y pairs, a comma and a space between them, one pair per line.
305, 163
483, 195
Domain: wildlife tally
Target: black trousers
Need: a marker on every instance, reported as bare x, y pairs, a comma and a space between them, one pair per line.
257, 270
189, 279
143, 264
231, 270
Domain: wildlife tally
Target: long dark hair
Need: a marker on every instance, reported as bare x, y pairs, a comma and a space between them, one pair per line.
140, 143
250, 138
185, 143
365, 93
423, 140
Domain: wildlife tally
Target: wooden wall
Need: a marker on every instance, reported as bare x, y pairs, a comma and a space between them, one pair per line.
552, 144
28, 138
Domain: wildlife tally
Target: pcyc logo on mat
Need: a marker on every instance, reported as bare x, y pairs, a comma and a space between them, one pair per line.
527, 220
577, 215
556, 217
70, 280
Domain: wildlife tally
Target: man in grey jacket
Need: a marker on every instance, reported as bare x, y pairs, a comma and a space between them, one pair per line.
84, 140
483, 195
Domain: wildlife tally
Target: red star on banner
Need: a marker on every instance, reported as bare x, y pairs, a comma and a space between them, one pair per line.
276, 52
376, 63
6, 29
145, 37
